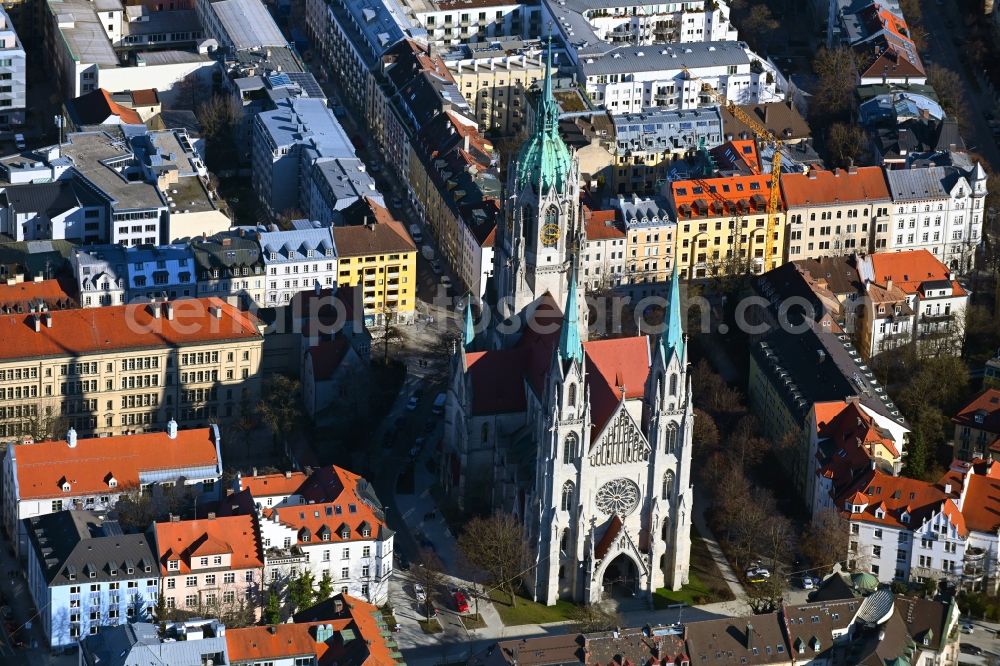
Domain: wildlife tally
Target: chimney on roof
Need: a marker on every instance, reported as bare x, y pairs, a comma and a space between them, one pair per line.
71, 438
749, 636
154, 308
272, 629
888, 285
873, 464
465, 143
216, 311
170, 310
947, 489
254, 471
172, 429
47, 318
36, 322
288, 473
211, 515
175, 519
338, 605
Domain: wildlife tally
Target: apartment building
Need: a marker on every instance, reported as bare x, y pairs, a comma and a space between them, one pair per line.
83, 574
462, 22
836, 212
593, 26
650, 228
977, 427
101, 275
603, 261
210, 565
167, 643
160, 272
123, 369
723, 225
13, 72
938, 209
493, 77
329, 522
76, 473
631, 79
647, 143
303, 258
229, 266
932, 293
376, 254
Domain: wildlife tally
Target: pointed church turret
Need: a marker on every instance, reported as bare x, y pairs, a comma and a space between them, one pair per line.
469, 331
544, 160
673, 334
570, 345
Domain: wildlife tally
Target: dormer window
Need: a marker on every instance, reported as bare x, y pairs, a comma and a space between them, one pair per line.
881, 309
112, 482
905, 518
325, 536
879, 513
173, 565
345, 533
366, 532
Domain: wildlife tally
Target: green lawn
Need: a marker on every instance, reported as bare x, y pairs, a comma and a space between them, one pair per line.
473, 621
692, 594
529, 612
430, 626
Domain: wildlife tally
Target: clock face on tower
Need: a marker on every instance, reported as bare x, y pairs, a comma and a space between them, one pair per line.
550, 234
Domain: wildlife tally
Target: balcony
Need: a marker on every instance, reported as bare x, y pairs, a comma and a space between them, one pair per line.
278, 556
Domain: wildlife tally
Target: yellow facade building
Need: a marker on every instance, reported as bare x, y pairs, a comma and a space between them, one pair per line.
125, 369
376, 254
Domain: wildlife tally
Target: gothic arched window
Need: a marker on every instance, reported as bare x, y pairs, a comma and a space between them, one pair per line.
567, 496
550, 228
671, 438
668, 485
673, 384
564, 540
571, 395
569, 449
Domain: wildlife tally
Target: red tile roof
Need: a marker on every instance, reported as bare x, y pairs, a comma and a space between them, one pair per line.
357, 640
897, 495
717, 197
145, 97
601, 225
820, 186
384, 233
270, 485
987, 406
119, 327
95, 107
19, 297
182, 540
616, 368
42, 467
853, 426
335, 501
909, 270
981, 506
733, 154
327, 357
891, 60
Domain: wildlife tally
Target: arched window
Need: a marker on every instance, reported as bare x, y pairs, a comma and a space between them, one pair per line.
564, 540
664, 532
550, 229
571, 395
673, 384
668, 485
671, 438
527, 222
567, 496
486, 433
569, 449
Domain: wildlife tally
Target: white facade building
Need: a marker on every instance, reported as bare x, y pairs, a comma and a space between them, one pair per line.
101, 274
330, 522
451, 22
938, 209
13, 74
301, 259
630, 79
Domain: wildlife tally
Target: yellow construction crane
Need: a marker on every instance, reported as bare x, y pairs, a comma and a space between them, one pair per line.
763, 136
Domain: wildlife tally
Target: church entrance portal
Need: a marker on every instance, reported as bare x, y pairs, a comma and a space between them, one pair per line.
621, 578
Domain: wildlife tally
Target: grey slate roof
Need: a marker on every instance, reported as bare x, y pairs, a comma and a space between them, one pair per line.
656, 57
139, 644
295, 244
659, 129
82, 546
50, 198
919, 184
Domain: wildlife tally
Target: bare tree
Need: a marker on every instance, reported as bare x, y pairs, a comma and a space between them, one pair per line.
218, 115
844, 144
281, 406
766, 596
836, 73
590, 618
496, 545
948, 86
388, 333
825, 541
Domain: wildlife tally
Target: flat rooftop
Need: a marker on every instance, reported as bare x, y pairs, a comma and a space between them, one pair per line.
83, 31
662, 57
248, 24
308, 121
190, 196
89, 152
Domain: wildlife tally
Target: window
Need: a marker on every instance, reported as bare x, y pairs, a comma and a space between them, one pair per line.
229, 578
366, 551
668, 485
345, 554
571, 395
671, 438
191, 581
569, 449
567, 496
673, 384
191, 600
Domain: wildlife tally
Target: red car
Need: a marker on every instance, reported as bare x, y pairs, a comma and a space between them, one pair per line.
461, 604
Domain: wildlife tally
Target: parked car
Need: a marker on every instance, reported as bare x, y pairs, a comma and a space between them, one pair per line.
967, 627
411, 404
755, 574
965, 648
446, 282
461, 603
436, 267
416, 234
19, 141
809, 583
419, 592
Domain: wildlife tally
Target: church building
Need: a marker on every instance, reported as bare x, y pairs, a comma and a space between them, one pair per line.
587, 442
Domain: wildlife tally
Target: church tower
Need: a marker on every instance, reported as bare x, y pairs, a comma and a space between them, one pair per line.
541, 228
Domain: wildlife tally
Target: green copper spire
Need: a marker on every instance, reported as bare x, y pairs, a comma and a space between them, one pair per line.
570, 346
469, 334
544, 160
673, 334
